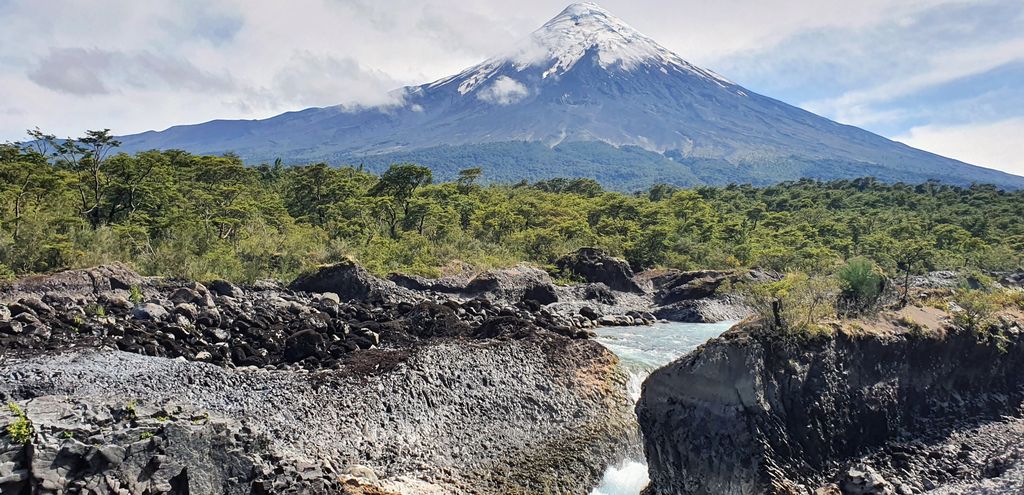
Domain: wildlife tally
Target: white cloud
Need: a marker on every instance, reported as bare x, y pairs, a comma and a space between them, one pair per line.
855, 107
993, 144
504, 91
263, 57
85, 72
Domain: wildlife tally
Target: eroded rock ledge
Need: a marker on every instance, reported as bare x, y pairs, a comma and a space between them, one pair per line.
141, 385
758, 412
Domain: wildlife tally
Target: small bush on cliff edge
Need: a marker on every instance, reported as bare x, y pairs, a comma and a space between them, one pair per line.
797, 303
974, 309
861, 286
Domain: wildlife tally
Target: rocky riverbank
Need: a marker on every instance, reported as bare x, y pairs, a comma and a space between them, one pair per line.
890, 409
340, 383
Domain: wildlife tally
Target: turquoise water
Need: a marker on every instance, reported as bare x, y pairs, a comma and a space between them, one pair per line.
641, 350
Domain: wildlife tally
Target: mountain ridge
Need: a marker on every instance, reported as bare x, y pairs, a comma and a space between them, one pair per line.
584, 76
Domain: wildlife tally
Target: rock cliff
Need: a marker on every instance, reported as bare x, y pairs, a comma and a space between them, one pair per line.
759, 412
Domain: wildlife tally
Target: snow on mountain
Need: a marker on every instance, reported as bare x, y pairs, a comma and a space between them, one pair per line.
584, 95
565, 40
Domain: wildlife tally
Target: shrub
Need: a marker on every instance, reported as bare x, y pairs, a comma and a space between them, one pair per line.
861, 286
1010, 298
795, 303
130, 410
975, 309
135, 294
96, 310
6, 273
20, 430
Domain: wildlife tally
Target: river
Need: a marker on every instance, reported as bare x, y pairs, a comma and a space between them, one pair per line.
642, 349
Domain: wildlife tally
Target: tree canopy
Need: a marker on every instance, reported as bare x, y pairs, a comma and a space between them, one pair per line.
77, 202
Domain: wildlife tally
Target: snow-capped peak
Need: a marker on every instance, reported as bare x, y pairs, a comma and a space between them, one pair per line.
579, 30
581, 27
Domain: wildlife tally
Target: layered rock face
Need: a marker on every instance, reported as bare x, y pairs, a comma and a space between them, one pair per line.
163, 386
597, 267
757, 412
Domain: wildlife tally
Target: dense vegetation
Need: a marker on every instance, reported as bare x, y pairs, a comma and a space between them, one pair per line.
75, 203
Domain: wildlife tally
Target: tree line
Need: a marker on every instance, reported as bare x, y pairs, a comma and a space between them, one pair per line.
69, 203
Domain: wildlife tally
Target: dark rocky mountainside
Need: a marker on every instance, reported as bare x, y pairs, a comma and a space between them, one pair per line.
759, 412
586, 95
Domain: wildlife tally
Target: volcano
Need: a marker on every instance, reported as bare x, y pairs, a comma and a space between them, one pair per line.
586, 95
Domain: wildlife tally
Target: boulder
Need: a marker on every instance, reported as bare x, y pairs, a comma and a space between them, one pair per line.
149, 311
98, 279
185, 295
302, 345
11, 327
687, 286
589, 313
862, 479
1012, 279
599, 292
448, 285
543, 294
708, 310
188, 310
348, 280
225, 288
513, 284
36, 305
115, 301
5, 313
674, 286
597, 267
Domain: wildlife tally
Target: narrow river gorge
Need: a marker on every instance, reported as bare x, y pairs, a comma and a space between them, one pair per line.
641, 350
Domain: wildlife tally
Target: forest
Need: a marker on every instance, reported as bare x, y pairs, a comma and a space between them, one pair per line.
73, 203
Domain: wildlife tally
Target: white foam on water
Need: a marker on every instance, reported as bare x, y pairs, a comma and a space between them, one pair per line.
635, 384
628, 478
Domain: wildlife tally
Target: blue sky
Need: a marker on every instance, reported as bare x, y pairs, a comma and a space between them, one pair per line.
943, 75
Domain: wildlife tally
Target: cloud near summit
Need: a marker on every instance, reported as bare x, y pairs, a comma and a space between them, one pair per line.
134, 66
504, 91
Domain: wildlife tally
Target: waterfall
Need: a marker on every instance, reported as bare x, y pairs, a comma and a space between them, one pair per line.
642, 350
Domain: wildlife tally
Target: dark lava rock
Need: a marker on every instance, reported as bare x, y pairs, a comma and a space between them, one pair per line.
589, 313
1012, 279
544, 294
595, 266
684, 286
446, 285
348, 280
102, 278
12, 327
149, 311
184, 451
505, 327
225, 288
708, 310
758, 411
512, 284
302, 345
599, 292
